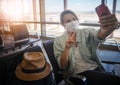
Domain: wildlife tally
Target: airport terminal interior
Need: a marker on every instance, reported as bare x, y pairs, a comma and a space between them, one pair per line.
30, 26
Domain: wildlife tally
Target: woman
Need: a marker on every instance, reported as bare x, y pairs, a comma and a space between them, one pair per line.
75, 50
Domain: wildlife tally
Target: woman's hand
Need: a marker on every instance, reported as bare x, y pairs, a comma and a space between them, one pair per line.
71, 40
108, 22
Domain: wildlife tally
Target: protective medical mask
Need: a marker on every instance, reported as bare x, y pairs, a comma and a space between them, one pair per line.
72, 26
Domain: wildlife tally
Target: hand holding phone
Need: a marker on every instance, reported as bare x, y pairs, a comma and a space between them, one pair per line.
108, 22
102, 10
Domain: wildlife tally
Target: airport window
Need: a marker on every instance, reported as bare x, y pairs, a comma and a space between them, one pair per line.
85, 10
118, 10
52, 13
116, 33
53, 10
19, 11
53, 30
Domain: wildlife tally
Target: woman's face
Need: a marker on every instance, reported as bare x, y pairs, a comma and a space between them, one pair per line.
68, 18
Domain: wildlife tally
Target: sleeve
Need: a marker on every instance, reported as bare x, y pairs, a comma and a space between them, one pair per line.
92, 42
93, 37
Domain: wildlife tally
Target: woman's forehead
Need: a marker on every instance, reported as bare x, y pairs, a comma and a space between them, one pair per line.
68, 16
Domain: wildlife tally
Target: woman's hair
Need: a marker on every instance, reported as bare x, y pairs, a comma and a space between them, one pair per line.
67, 12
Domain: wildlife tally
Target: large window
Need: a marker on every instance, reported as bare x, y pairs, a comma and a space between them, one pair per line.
22, 11
31, 12
85, 9
116, 33
52, 10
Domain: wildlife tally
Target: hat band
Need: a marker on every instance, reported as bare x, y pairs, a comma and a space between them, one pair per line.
34, 71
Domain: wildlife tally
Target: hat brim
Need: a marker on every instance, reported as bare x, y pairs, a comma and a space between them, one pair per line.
32, 76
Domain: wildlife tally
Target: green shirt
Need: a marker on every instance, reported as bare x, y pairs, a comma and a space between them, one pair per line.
87, 42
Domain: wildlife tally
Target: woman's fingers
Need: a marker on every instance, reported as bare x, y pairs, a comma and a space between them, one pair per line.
107, 16
108, 21
71, 39
72, 36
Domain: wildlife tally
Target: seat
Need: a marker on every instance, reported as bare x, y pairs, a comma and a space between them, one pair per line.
20, 34
48, 46
59, 74
9, 61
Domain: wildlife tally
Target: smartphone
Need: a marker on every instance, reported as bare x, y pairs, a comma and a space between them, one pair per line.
102, 10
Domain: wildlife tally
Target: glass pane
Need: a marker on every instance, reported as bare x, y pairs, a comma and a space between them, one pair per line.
54, 30
37, 10
3, 10
14, 9
20, 10
116, 33
118, 10
32, 31
109, 3
85, 9
53, 9
28, 10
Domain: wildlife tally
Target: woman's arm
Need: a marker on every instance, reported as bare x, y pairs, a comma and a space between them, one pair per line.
68, 44
108, 25
64, 58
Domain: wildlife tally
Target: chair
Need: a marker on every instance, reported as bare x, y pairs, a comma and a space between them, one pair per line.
20, 34
48, 45
59, 74
8, 62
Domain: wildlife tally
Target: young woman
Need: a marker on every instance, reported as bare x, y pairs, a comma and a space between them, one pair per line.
75, 50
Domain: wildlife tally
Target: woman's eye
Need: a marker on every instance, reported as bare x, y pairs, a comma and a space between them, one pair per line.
68, 21
74, 19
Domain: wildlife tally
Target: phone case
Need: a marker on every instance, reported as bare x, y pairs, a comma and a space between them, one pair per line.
102, 10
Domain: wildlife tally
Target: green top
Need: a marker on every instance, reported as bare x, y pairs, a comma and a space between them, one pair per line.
87, 42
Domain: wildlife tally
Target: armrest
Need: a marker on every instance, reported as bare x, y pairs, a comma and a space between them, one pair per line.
67, 78
73, 76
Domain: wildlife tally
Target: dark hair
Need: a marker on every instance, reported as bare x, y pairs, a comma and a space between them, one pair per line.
67, 12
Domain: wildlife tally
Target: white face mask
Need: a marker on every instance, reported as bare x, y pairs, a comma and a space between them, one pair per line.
72, 26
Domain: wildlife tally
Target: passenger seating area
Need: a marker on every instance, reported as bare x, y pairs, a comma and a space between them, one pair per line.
20, 34
9, 60
17, 37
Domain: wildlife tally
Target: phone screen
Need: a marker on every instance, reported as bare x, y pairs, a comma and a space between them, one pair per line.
102, 10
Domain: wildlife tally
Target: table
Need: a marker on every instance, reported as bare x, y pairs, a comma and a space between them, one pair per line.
110, 58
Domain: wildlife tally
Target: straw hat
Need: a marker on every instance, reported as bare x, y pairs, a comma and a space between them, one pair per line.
33, 67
